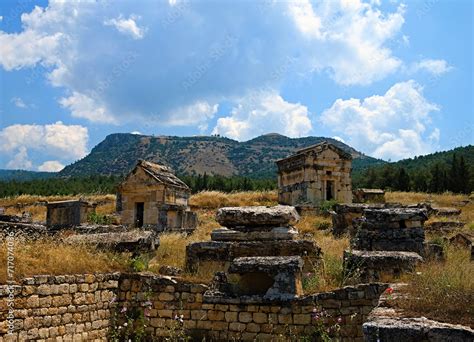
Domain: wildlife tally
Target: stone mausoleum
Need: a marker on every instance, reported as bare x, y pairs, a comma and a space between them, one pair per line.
153, 196
64, 214
318, 173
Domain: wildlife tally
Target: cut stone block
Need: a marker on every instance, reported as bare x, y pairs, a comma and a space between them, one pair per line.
137, 241
253, 218
272, 277
396, 215
202, 254
397, 329
447, 211
369, 266
279, 233
445, 226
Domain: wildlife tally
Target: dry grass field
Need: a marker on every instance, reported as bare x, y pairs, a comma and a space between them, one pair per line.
438, 290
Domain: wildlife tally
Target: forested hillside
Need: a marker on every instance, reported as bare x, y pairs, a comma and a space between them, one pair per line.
438, 172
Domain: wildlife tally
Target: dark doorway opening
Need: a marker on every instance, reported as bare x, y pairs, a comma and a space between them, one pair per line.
329, 190
139, 210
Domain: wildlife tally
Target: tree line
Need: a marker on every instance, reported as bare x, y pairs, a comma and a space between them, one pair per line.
98, 184
440, 176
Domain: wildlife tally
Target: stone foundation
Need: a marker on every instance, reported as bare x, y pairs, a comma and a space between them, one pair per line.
391, 230
369, 266
202, 254
92, 307
390, 325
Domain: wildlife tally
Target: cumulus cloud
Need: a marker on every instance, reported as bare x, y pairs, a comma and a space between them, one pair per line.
436, 67
350, 38
395, 125
67, 142
193, 53
20, 160
51, 166
263, 113
127, 26
83, 106
18, 102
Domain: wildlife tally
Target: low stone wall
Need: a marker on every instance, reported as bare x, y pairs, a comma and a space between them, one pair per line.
243, 318
88, 307
61, 308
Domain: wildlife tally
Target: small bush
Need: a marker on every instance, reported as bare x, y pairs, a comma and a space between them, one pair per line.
326, 206
100, 219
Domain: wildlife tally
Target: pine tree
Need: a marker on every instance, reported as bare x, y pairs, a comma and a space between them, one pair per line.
403, 181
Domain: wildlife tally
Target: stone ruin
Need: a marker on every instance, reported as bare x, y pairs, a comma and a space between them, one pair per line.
344, 216
63, 214
387, 243
265, 278
369, 196
252, 232
136, 242
389, 324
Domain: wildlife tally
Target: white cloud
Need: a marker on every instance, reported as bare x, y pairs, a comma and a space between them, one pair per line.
51, 166
18, 101
193, 114
226, 50
339, 139
20, 160
395, 125
434, 66
349, 37
136, 133
264, 113
127, 26
67, 142
83, 106
26, 49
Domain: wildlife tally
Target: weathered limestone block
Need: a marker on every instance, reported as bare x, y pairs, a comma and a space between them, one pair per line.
252, 218
137, 241
278, 233
413, 330
446, 212
396, 229
200, 253
271, 277
444, 226
370, 266
393, 215
344, 214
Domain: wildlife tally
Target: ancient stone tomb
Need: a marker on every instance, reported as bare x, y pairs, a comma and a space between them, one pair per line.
251, 232
64, 214
387, 243
152, 196
315, 174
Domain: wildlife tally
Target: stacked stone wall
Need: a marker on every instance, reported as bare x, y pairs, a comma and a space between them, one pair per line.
95, 307
59, 308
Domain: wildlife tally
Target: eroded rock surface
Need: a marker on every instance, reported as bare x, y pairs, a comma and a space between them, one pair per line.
137, 241
239, 218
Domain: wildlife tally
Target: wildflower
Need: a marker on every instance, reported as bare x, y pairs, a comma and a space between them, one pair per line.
148, 303
125, 324
339, 320
389, 290
146, 312
124, 309
113, 300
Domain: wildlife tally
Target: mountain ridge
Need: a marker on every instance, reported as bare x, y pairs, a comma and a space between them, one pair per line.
213, 155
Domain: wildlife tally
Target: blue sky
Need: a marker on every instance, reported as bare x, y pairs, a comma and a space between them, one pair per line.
393, 79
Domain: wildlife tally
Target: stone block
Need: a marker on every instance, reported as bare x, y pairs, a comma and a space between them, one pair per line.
257, 216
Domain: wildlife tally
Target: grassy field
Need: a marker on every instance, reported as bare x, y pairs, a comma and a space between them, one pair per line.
438, 290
